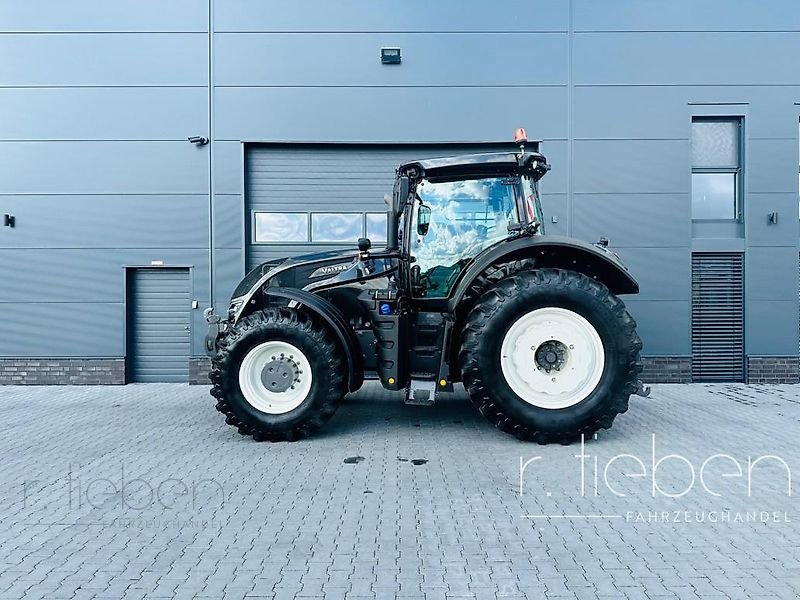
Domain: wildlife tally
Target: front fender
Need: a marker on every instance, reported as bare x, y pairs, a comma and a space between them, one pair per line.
333, 317
551, 251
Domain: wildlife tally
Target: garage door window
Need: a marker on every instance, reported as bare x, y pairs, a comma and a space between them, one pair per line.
332, 227
281, 227
376, 228
321, 228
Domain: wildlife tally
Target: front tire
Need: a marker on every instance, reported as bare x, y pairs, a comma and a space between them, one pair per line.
278, 375
549, 355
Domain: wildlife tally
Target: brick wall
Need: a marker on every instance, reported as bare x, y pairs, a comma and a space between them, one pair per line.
111, 371
198, 370
62, 371
667, 369
773, 369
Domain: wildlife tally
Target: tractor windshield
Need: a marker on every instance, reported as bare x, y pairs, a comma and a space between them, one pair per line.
454, 221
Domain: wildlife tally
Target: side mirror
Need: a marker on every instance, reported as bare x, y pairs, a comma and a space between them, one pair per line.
423, 219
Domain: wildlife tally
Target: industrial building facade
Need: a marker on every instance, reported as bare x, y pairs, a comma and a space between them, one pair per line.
671, 127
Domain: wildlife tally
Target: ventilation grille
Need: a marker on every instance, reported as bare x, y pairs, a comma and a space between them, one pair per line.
717, 317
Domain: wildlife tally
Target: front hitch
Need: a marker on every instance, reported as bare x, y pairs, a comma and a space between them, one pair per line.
216, 328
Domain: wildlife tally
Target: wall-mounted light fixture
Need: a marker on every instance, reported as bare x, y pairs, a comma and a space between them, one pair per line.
772, 218
9, 220
390, 56
200, 140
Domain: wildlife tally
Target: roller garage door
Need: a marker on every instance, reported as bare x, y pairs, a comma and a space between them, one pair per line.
312, 197
159, 317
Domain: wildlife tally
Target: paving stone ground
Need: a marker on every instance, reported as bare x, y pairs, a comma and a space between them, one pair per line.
142, 491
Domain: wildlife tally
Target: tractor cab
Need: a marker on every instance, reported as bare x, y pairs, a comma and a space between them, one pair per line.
449, 210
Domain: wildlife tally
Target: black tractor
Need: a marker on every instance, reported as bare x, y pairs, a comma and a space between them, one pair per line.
469, 289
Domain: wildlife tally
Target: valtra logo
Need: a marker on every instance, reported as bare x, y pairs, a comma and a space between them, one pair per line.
329, 270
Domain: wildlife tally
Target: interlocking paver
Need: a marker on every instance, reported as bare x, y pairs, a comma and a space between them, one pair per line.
142, 492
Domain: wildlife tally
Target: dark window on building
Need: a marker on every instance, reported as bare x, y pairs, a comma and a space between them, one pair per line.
716, 168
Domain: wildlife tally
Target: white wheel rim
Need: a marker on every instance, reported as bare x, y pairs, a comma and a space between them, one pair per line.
271, 354
578, 375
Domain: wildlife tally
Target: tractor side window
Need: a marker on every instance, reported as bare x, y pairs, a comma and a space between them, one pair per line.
532, 202
463, 218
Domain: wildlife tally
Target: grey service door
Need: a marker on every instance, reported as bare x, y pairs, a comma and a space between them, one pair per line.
159, 317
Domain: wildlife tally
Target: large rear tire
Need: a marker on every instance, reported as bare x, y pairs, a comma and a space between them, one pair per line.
278, 375
550, 354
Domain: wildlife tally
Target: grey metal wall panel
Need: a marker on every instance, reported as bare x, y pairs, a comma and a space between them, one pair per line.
760, 232
771, 273
90, 275
158, 306
771, 327
669, 281
103, 168
637, 220
672, 58
631, 166
104, 59
103, 113
664, 326
663, 111
772, 110
414, 15
73, 221
59, 276
62, 329
228, 221
557, 179
556, 205
685, 15
373, 113
772, 165
101, 15
228, 273
631, 112
353, 59
228, 168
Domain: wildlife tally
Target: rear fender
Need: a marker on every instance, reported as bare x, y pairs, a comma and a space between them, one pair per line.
532, 252
333, 317
551, 251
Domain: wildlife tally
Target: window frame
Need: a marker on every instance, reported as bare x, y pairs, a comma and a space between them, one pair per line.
737, 171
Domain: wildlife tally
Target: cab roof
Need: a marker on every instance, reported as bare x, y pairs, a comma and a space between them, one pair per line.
476, 165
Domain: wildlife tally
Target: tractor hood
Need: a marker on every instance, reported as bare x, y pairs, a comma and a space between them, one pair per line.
297, 271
